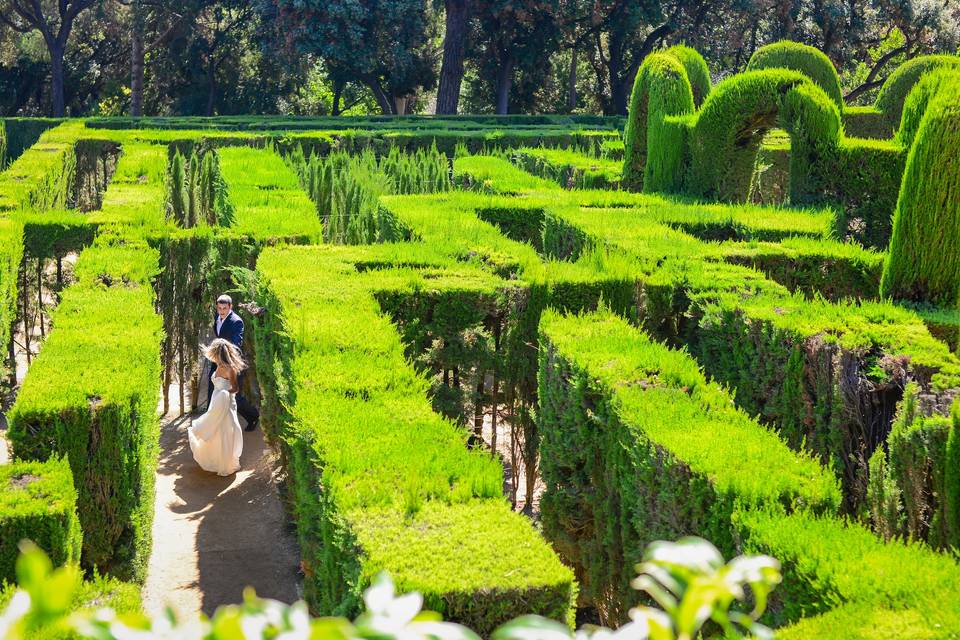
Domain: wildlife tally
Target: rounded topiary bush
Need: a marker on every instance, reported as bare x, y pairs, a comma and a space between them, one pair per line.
653, 148
807, 60
923, 263
917, 101
894, 92
698, 73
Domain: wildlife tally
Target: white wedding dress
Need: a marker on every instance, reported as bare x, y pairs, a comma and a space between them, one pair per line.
216, 438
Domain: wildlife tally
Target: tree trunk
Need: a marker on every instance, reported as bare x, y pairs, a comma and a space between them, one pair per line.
572, 81
56, 80
136, 62
504, 84
383, 100
451, 69
337, 93
211, 86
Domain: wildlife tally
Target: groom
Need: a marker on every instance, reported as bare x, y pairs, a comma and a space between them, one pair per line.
229, 326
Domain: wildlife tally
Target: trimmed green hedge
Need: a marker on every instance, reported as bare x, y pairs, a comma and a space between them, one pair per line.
860, 621
91, 396
827, 375
11, 255
571, 169
491, 174
19, 134
378, 479
923, 263
898, 85
653, 147
808, 60
44, 176
264, 198
637, 445
827, 563
37, 503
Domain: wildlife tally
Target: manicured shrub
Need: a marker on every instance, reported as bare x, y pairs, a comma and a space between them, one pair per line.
828, 563
491, 174
808, 60
698, 73
264, 198
400, 491
627, 427
91, 396
910, 496
44, 176
570, 168
867, 122
19, 134
893, 94
776, 350
728, 130
923, 263
814, 267
11, 254
37, 503
653, 148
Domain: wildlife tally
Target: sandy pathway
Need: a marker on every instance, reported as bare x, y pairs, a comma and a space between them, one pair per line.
213, 536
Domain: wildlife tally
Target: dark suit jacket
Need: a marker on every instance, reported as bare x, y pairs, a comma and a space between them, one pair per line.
231, 329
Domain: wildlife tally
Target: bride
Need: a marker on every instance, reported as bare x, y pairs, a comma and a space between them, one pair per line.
216, 438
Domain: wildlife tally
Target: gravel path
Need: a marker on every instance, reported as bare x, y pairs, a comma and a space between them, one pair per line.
213, 536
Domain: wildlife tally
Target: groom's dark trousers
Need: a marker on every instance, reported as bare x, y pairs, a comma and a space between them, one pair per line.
232, 329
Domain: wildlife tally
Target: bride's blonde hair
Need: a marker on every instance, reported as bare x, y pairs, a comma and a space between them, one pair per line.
225, 353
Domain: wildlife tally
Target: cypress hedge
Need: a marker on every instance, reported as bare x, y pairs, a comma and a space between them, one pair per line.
571, 169
698, 73
378, 480
653, 147
637, 445
893, 94
923, 263
808, 60
828, 376
828, 563
92, 396
37, 503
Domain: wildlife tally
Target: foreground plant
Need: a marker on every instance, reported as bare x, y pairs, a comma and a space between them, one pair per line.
688, 579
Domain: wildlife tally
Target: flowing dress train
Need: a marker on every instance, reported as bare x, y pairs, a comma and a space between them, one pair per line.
216, 438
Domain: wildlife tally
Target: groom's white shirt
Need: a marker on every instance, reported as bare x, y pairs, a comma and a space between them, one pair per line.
219, 323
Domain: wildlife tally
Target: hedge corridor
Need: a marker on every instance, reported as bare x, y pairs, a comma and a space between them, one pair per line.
669, 357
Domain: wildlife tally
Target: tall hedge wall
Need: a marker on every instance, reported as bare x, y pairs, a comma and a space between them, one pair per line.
653, 148
37, 503
378, 480
91, 396
923, 264
637, 445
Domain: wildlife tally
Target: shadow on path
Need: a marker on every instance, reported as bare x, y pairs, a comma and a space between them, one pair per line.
213, 536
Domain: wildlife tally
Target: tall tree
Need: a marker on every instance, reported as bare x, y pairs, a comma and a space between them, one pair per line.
512, 37
386, 44
456, 17
54, 21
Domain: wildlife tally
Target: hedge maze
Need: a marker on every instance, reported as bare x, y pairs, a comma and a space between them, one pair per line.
664, 355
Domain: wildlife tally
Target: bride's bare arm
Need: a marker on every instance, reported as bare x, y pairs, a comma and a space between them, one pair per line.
234, 386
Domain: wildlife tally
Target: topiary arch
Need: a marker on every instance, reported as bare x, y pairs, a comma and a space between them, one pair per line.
808, 60
726, 135
698, 73
893, 94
